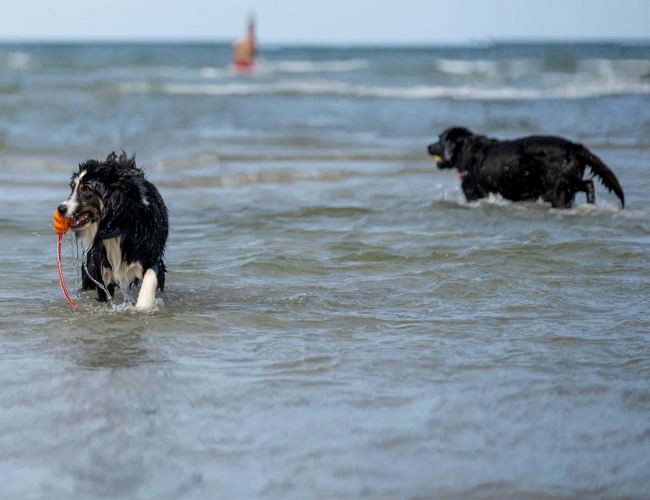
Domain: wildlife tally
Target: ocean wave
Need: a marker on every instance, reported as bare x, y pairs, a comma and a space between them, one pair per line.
313, 66
17, 61
580, 69
266, 68
204, 173
518, 67
466, 92
264, 176
464, 67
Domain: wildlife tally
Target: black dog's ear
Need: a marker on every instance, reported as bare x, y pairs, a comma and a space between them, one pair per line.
455, 134
450, 135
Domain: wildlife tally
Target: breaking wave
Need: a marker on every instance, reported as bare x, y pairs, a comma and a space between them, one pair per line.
466, 92
518, 67
270, 68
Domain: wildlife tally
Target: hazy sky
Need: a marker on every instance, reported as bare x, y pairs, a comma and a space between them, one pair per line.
326, 21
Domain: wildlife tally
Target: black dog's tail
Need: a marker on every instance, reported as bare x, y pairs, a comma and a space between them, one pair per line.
597, 166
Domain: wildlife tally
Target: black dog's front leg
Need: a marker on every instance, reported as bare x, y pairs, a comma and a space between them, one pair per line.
471, 189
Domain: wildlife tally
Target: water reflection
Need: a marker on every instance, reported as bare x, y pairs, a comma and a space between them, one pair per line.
121, 351
114, 347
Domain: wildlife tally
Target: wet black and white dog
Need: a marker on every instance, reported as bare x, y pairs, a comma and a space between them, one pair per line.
546, 167
122, 222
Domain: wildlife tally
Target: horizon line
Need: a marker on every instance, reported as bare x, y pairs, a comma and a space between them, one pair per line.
492, 41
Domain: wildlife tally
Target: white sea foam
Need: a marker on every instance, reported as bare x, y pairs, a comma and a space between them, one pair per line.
316, 66
266, 68
587, 70
328, 87
614, 68
486, 80
514, 67
211, 72
461, 67
17, 61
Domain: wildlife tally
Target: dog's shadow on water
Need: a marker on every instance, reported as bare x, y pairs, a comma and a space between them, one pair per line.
111, 350
109, 342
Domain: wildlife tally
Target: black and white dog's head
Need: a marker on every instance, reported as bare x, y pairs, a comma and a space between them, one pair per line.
109, 192
95, 194
448, 149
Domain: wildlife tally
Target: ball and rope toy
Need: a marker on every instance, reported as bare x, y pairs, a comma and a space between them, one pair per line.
61, 226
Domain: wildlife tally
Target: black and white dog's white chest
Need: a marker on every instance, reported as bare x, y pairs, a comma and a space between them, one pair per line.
120, 272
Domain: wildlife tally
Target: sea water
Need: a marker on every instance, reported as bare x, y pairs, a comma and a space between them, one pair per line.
338, 321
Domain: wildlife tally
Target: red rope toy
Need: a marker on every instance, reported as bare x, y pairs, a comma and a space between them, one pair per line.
61, 225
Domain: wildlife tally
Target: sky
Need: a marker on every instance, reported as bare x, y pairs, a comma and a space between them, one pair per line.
326, 22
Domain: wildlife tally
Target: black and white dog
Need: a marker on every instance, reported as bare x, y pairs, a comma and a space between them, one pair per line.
122, 222
546, 167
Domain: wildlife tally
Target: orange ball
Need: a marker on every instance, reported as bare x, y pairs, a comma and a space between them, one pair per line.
61, 224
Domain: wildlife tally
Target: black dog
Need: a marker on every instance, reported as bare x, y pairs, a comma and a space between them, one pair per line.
529, 168
123, 225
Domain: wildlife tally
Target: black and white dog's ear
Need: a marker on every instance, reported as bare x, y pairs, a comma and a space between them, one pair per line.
125, 161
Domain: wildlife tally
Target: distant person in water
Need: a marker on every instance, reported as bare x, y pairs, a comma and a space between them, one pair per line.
245, 50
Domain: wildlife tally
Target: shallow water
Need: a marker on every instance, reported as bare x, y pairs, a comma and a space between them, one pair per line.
338, 321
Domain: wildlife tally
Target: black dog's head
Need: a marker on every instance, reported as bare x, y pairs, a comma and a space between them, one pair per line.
97, 190
447, 150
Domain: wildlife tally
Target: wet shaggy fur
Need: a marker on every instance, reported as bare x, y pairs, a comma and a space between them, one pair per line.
110, 197
529, 168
